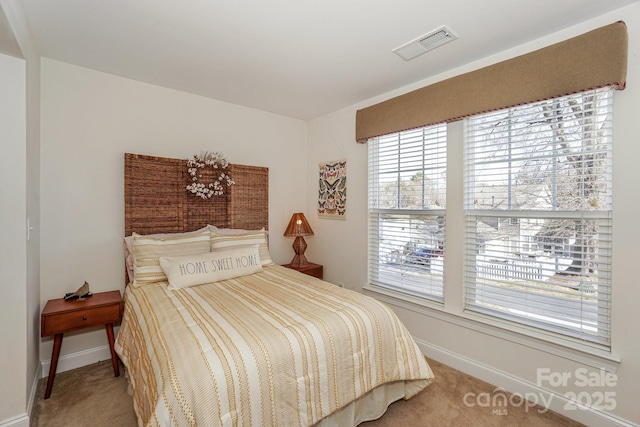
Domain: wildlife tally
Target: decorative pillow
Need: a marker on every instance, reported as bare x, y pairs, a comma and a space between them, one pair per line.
231, 231
128, 259
128, 247
192, 270
147, 251
239, 238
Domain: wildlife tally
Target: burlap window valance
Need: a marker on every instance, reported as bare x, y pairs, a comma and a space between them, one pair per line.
594, 59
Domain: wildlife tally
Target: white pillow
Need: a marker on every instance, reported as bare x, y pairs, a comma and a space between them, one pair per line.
229, 231
192, 270
228, 238
128, 247
147, 251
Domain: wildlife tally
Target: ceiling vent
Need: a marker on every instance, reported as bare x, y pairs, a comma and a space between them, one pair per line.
425, 43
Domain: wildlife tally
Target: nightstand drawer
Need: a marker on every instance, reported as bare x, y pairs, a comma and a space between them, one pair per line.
311, 269
316, 271
72, 320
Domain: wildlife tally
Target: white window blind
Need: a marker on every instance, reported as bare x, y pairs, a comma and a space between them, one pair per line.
538, 216
407, 189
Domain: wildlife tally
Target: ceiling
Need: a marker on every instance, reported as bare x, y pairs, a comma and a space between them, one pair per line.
8, 43
296, 58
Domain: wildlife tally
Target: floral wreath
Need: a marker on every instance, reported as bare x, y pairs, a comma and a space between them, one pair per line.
215, 160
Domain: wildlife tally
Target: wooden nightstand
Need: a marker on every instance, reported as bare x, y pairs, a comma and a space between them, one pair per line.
60, 316
312, 269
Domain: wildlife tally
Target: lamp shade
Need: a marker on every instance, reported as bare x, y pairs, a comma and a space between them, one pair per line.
298, 226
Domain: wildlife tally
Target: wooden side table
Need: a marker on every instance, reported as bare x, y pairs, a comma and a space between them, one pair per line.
60, 316
315, 270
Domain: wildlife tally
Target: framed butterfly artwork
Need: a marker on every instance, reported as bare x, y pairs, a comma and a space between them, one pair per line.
332, 193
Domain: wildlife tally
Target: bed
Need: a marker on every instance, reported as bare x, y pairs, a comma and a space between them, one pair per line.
263, 345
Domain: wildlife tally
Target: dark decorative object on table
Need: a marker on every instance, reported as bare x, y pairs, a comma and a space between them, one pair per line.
82, 293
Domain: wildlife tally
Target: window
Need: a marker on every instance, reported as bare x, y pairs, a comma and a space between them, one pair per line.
537, 199
407, 189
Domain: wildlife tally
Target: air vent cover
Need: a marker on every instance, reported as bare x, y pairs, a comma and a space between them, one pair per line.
425, 43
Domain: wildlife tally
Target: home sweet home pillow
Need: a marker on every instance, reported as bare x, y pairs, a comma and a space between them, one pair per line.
198, 269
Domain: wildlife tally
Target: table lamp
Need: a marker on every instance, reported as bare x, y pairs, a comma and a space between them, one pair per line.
298, 227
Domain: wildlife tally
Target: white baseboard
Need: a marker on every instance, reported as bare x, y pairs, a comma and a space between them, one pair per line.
34, 388
24, 419
20, 421
505, 381
77, 359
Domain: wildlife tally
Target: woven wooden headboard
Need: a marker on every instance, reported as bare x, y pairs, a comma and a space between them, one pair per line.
156, 199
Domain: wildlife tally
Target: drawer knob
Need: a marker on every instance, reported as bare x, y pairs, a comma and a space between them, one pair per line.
84, 317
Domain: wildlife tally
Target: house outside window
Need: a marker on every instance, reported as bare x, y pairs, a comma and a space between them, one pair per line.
407, 201
537, 200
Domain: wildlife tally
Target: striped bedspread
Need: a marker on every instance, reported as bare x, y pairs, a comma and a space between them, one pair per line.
276, 348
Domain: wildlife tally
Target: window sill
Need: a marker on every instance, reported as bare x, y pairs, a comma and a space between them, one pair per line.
558, 346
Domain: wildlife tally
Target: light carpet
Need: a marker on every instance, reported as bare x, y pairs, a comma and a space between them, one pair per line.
92, 396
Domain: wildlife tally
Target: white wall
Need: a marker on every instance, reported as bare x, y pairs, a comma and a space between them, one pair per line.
33, 209
19, 173
13, 250
342, 246
89, 120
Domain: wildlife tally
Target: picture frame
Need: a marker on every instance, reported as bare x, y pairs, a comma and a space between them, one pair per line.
332, 189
